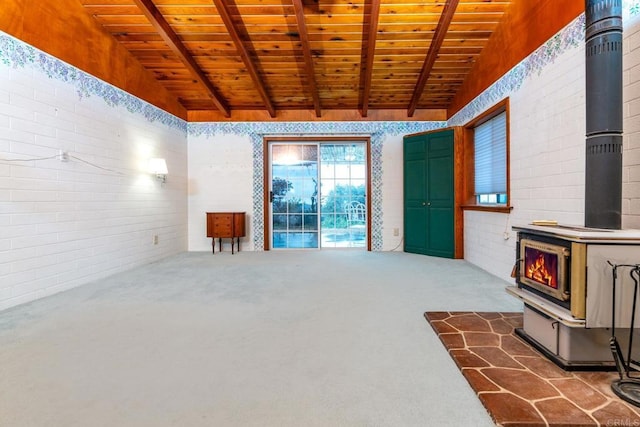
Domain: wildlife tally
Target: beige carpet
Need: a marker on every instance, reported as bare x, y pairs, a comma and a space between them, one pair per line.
293, 338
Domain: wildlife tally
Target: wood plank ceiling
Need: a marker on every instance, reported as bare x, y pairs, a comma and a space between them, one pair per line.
314, 55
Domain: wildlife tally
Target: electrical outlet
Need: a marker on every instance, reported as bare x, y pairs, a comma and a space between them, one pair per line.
396, 231
155, 239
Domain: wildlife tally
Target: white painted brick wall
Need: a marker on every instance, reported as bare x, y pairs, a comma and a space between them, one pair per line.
64, 224
547, 134
485, 241
631, 112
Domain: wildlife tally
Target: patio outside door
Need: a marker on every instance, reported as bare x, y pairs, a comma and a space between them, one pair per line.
343, 195
317, 195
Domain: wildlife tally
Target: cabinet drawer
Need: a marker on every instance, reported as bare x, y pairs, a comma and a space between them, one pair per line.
222, 229
225, 224
220, 223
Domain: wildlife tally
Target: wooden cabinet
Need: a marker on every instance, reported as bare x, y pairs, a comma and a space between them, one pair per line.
225, 225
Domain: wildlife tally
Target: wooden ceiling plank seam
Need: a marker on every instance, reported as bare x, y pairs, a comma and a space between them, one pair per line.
440, 33
308, 58
172, 39
368, 51
223, 10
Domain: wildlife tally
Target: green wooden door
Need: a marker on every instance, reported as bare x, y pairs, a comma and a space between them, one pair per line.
415, 194
429, 225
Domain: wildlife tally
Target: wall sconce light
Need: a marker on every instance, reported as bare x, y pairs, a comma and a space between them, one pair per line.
158, 167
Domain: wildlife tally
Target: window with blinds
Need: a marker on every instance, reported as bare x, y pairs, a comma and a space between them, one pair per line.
490, 163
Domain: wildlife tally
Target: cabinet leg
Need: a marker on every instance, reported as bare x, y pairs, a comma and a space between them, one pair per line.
220, 244
213, 245
232, 244
238, 244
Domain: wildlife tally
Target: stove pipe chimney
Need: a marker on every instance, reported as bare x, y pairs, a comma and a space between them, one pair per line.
603, 183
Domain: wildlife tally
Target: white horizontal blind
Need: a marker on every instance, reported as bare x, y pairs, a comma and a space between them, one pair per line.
490, 140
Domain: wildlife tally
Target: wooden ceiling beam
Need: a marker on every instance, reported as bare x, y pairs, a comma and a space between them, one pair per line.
171, 38
371, 31
308, 59
224, 12
441, 31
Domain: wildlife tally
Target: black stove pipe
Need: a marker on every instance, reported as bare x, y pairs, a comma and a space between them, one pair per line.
603, 65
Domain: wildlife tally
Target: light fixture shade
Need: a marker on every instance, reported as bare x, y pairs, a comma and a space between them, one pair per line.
158, 166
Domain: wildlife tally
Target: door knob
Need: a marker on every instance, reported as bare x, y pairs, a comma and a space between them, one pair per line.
423, 203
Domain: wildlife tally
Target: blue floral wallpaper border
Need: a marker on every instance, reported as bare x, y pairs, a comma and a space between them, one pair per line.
570, 37
17, 54
257, 130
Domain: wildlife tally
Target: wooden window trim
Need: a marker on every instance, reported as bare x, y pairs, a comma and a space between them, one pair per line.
469, 198
487, 208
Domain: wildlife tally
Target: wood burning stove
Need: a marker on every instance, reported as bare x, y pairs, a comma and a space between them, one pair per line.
563, 277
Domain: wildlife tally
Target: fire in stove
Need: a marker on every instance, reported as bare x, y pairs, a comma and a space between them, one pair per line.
544, 268
541, 267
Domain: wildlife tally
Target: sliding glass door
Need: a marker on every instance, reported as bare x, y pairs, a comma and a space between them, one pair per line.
318, 195
294, 196
343, 195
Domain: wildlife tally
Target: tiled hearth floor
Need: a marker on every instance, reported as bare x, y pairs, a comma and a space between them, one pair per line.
519, 386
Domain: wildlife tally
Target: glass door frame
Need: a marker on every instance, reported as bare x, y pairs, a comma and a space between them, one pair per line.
267, 140
294, 198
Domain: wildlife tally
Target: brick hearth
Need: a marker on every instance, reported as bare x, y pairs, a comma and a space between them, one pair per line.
519, 386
